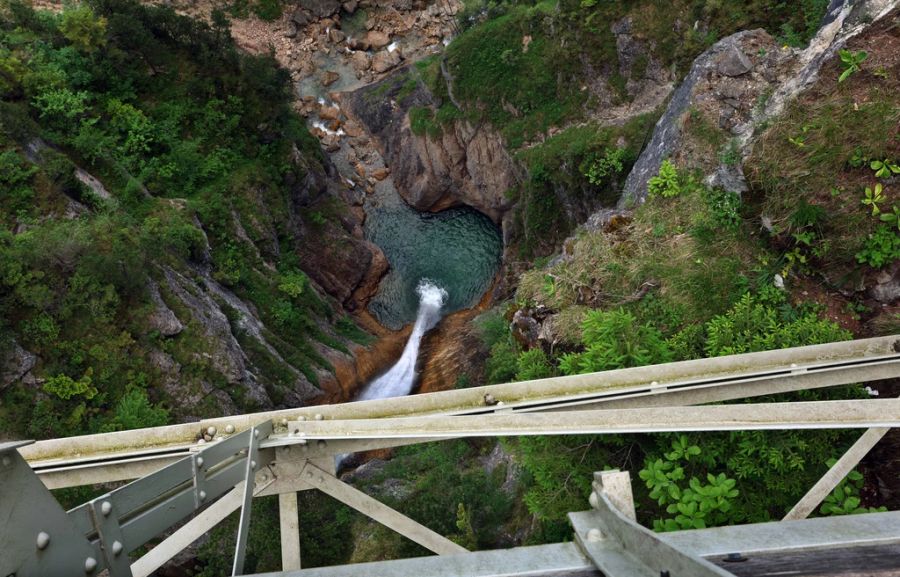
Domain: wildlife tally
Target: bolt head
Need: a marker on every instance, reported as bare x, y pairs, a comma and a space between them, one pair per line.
199, 461
90, 564
229, 429
284, 422
43, 539
595, 535
106, 508
594, 500
202, 495
264, 477
253, 465
211, 431
201, 442
319, 416
301, 418
117, 548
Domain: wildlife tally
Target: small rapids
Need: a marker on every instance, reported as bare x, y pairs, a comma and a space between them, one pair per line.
400, 378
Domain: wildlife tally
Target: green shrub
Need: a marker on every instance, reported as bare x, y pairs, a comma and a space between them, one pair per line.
844, 499
691, 505
882, 247
532, 365
666, 183
614, 340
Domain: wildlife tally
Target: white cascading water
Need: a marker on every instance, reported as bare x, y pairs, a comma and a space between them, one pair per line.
399, 380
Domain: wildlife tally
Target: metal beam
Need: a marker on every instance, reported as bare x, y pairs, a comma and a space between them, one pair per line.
380, 512
618, 546
58, 452
563, 559
868, 529
253, 463
289, 521
824, 486
765, 416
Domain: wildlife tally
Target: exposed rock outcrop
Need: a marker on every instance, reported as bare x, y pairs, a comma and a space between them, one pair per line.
466, 164
744, 80
15, 365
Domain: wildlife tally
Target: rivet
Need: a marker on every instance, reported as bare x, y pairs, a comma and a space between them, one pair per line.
256, 434
201, 441
309, 474
253, 465
284, 422
43, 539
229, 429
321, 443
90, 564
500, 403
319, 416
734, 558
594, 500
302, 418
654, 383
203, 495
117, 548
199, 461
264, 477
211, 431
595, 535
106, 508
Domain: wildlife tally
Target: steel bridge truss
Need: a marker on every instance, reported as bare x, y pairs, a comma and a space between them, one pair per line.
192, 476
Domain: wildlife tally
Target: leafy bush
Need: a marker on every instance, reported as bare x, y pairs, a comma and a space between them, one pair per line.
615, 340
694, 506
666, 183
752, 326
844, 499
83, 28
723, 207
881, 247
533, 364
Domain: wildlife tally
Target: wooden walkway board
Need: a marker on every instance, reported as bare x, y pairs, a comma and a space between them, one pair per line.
869, 561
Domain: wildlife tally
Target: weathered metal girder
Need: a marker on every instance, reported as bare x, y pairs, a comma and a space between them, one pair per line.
129, 454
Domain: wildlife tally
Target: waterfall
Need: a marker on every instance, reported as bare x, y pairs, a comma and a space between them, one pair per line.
399, 379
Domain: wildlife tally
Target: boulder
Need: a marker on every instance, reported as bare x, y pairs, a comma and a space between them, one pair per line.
733, 62
887, 285
377, 40
301, 18
359, 60
321, 8
329, 112
335, 35
384, 60
329, 77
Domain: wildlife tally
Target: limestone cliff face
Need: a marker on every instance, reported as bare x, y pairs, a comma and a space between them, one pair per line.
466, 164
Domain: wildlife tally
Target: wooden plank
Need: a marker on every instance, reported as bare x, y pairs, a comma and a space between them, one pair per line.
874, 561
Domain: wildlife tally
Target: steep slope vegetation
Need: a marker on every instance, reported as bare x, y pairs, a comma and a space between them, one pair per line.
171, 239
